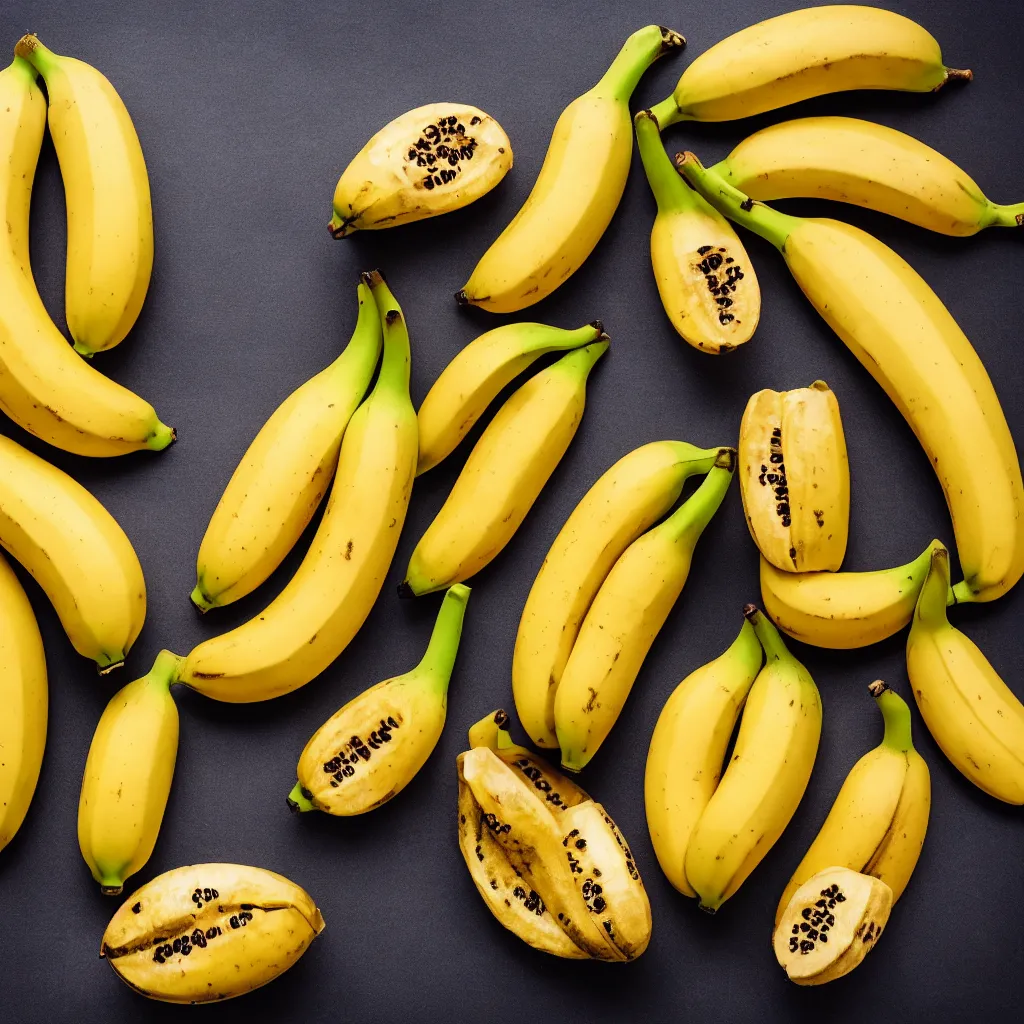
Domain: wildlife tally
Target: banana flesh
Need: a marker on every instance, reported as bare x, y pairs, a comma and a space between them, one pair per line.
209, 932
431, 160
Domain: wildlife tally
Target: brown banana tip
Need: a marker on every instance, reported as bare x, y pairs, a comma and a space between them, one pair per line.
501, 718
670, 39
337, 230
372, 278
292, 805
26, 44
111, 890
604, 337
405, 591
726, 459
959, 75
751, 612
878, 687
598, 325
461, 297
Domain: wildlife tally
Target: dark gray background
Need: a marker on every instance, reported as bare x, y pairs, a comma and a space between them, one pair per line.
247, 113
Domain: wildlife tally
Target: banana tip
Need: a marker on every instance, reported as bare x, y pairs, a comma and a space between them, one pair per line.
751, 612
461, 297
878, 687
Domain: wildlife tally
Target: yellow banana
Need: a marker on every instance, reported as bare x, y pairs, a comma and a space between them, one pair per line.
209, 932
286, 471
577, 191
766, 776
688, 749
626, 616
906, 338
627, 499
473, 379
24, 698
110, 214
128, 776
971, 713
504, 475
806, 53
324, 605
866, 164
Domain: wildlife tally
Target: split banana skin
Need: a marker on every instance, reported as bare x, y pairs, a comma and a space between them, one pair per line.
546, 858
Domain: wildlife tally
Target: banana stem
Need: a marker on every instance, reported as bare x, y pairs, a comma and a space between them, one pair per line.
693, 516
361, 353
1007, 216
666, 112
770, 638
438, 662
931, 602
895, 714
638, 53
488, 731
670, 192
31, 49
394, 369
580, 361
298, 799
21, 66
165, 670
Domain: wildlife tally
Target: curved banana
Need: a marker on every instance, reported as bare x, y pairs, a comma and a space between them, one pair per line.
473, 379
687, 752
626, 616
866, 164
328, 599
208, 932
382, 738
504, 475
44, 386
705, 279
286, 471
128, 776
577, 191
24, 698
971, 713
110, 214
627, 499
811, 52
766, 776
77, 553
907, 340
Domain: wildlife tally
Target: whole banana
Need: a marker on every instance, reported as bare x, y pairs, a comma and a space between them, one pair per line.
473, 379
128, 776
371, 749
286, 471
324, 605
110, 213
866, 164
504, 474
971, 713
906, 338
806, 53
625, 617
208, 932
577, 191
687, 752
24, 698
77, 553
766, 776
627, 499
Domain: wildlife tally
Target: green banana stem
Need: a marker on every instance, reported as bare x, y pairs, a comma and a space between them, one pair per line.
931, 602
298, 799
394, 369
638, 53
669, 190
771, 639
895, 714
438, 662
580, 361
165, 670
666, 112
20, 66
361, 353
1007, 216
31, 49
691, 518
746, 647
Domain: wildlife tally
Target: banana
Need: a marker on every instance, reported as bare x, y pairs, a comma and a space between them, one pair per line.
795, 478
24, 698
547, 860
208, 932
371, 749
128, 776
473, 379
627, 499
431, 160
866, 164
626, 616
44, 386
75, 551
578, 189
684, 762
705, 279
765, 778
504, 475
326, 602
906, 338
286, 471
110, 214
811, 52
971, 713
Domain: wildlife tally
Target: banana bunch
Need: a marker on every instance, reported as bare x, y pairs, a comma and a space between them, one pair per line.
504, 474
284, 474
208, 932
324, 605
866, 164
431, 160
811, 52
578, 189
971, 713
795, 477
906, 338
128, 776
547, 860
371, 749
705, 279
